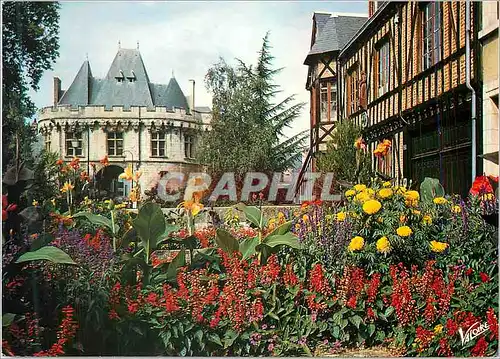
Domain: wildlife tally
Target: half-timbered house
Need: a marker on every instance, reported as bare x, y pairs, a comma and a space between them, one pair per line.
404, 77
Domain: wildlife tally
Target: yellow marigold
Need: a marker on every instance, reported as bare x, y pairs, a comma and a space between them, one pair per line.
385, 193
456, 209
427, 219
404, 231
341, 216
359, 187
383, 245
305, 217
370, 191
400, 189
413, 195
350, 193
372, 206
438, 246
363, 197
440, 200
438, 329
356, 244
386, 184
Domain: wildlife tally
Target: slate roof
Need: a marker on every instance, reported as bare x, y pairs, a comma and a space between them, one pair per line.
333, 32
109, 91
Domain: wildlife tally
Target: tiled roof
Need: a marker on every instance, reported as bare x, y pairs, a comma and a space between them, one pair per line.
126, 84
333, 32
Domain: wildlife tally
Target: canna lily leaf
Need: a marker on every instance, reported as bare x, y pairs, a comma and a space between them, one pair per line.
48, 253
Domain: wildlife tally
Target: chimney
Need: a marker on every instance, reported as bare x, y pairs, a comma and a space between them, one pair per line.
57, 90
192, 98
371, 8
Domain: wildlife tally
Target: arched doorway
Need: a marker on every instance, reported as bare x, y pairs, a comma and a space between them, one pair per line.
108, 184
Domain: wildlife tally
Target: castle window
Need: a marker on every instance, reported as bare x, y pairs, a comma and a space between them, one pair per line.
383, 68
115, 143
73, 144
189, 146
431, 34
158, 144
48, 140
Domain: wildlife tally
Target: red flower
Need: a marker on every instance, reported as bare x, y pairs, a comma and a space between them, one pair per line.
289, 276
484, 277
481, 185
351, 303
59, 162
492, 321
113, 314
318, 282
370, 314
451, 327
444, 348
479, 349
6, 207
469, 271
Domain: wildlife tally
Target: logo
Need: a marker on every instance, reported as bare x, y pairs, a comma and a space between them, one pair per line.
474, 331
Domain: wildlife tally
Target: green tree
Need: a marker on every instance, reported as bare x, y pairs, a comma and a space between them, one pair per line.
343, 158
30, 47
247, 126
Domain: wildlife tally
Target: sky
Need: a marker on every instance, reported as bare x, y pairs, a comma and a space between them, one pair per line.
187, 38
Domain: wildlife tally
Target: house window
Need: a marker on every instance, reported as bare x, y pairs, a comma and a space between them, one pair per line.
48, 140
431, 34
115, 143
324, 101
74, 144
352, 88
333, 101
383, 68
158, 144
188, 146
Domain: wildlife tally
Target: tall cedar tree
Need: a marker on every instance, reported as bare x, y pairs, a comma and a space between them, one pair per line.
340, 156
30, 47
247, 126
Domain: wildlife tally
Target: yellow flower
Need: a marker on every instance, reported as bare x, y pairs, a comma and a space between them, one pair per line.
359, 187
440, 200
400, 189
456, 209
281, 215
372, 206
402, 218
297, 226
416, 212
34, 203
53, 201
305, 218
385, 193
404, 231
427, 219
386, 184
363, 197
350, 193
353, 215
370, 191
67, 187
413, 195
120, 206
438, 246
380, 220
487, 197
383, 245
356, 244
192, 206
128, 174
341, 216
438, 329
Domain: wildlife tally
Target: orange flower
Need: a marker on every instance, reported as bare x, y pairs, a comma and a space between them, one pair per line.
105, 161
59, 162
382, 148
75, 163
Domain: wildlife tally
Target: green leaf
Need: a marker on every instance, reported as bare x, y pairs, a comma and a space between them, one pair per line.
169, 228
253, 214
389, 311
199, 336
150, 226
371, 329
380, 336
7, 319
177, 262
356, 320
214, 338
226, 241
229, 338
247, 247
48, 253
431, 188
336, 332
288, 239
282, 229
272, 315
98, 220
